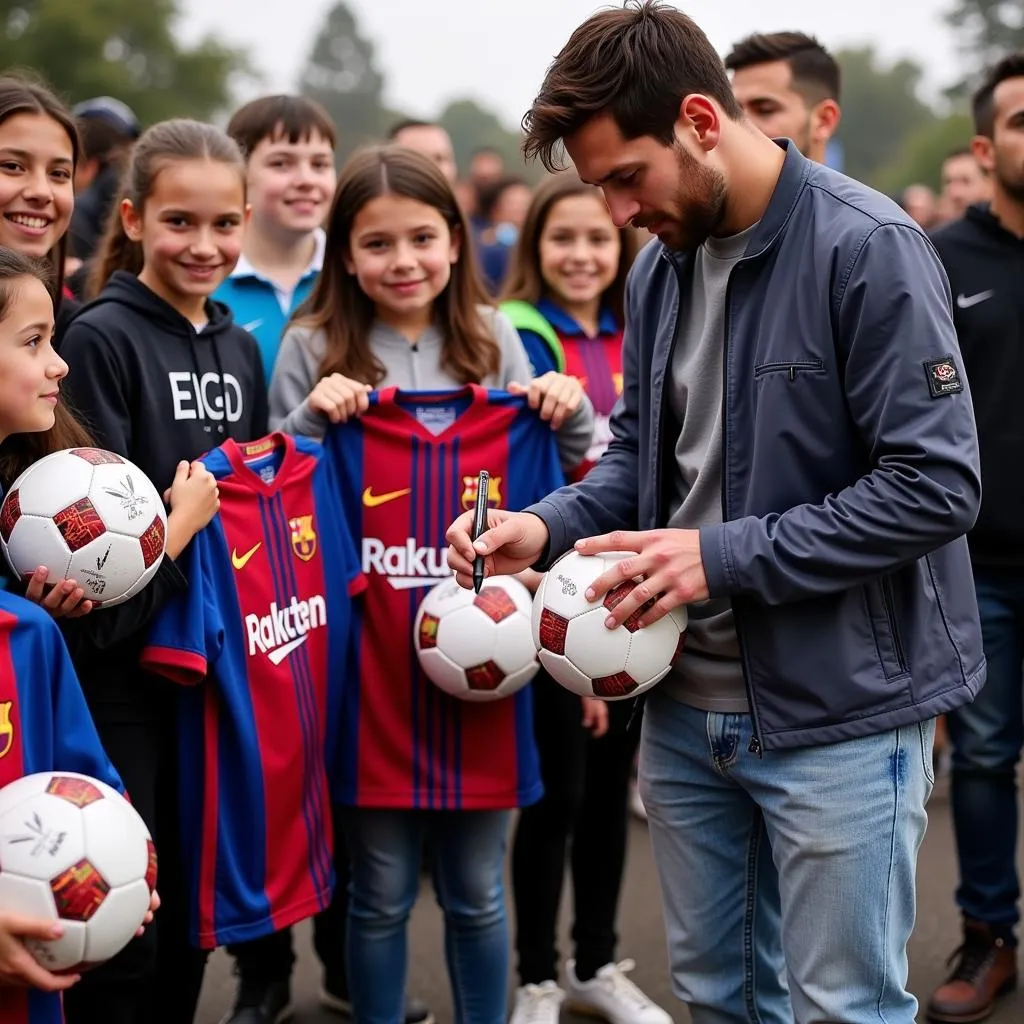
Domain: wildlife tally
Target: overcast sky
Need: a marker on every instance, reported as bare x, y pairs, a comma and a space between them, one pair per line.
432, 51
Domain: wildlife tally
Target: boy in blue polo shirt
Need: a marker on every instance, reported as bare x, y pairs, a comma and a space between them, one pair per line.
288, 142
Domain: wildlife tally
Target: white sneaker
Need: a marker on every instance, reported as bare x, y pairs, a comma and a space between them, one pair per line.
611, 995
537, 1004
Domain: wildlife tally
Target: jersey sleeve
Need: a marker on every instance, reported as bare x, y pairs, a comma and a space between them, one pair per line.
187, 636
76, 744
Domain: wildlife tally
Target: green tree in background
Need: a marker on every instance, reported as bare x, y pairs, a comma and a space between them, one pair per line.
920, 158
119, 48
881, 110
986, 31
472, 127
342, 75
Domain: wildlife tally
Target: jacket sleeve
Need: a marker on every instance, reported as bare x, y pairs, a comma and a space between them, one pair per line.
99, 386
260, 410
90, 637
293, 379
893, 325
608, 497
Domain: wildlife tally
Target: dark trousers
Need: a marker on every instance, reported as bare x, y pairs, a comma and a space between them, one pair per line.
273, 956
586, 792
987, 737
155, 979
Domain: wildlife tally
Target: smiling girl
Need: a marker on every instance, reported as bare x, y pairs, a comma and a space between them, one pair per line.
38, 154
161, 374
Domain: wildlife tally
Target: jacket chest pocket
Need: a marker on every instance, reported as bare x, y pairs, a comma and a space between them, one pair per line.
885, 625
789, 368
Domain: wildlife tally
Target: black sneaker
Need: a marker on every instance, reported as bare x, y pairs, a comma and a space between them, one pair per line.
261, 1002
417, 1012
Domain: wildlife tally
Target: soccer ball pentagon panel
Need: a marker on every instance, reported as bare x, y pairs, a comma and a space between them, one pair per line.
580, 652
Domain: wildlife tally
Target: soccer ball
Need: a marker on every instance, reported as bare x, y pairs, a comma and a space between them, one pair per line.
89, 516
473, 646
580, 652
73, 849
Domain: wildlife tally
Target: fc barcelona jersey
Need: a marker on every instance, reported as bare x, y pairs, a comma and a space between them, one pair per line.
44, 726
262, 633
407, 468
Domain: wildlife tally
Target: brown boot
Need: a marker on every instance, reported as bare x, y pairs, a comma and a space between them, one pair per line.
985, 968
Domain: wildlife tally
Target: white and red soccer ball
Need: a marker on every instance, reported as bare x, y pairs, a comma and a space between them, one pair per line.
73, 849
87, 515
476, 647
580, 652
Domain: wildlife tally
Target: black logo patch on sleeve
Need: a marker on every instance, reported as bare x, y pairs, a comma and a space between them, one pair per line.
943, 377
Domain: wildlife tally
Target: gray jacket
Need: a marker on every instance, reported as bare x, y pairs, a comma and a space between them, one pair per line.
850, 469
412, 368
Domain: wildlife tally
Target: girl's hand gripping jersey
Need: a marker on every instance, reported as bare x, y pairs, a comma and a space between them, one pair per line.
407, 468
44, 726
264, 629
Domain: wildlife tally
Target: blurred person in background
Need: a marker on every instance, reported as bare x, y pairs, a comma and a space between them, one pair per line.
921, 203
788, 85
430, 139
108, 129
486, 166
981, 253
500, 212
963, 184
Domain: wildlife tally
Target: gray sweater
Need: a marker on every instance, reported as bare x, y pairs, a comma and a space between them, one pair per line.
412, 367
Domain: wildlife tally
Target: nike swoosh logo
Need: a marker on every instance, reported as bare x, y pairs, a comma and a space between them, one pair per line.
371, 500
252, 325
241, 561
278, 654
966, 301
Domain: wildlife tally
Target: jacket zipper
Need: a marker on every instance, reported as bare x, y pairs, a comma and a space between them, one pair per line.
890, 614
791, 368
754, 746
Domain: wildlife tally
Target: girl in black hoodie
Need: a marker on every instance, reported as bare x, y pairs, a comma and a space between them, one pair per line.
160, 373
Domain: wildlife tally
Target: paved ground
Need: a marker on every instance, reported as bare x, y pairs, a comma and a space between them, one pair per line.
643, 939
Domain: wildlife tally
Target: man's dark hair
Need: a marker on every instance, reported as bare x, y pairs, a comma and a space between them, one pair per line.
635, 63
983, 103
816, 74
408, 122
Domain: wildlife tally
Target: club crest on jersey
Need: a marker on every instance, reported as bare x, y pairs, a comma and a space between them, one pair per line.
303, 537
6, 728
469, 489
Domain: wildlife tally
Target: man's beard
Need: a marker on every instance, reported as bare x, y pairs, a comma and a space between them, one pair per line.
700, 205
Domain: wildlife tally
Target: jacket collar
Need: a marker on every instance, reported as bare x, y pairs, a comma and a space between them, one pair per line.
796, 169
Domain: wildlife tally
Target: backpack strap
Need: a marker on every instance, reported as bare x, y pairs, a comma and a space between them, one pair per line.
526, 317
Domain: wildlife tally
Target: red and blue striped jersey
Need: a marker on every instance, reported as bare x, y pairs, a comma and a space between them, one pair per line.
263, 629
407, 468
45, 725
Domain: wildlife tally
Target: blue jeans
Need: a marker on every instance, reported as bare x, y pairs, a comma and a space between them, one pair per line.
468, 851
787, 880
987, 737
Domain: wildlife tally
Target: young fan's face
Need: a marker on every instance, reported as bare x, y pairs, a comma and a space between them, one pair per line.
36, 190
579, 250
30, 370
291, 183
401, 252
190, 228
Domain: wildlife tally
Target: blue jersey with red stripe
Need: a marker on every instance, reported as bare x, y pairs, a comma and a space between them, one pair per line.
263, 629
45, 725
407, 468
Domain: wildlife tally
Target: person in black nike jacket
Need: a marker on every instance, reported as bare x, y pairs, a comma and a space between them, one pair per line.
983, 254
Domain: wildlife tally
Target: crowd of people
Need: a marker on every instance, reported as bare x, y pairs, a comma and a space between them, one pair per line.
790, 396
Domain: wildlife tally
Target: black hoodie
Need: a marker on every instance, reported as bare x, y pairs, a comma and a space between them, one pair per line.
136, 366
147, 386
985, 266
